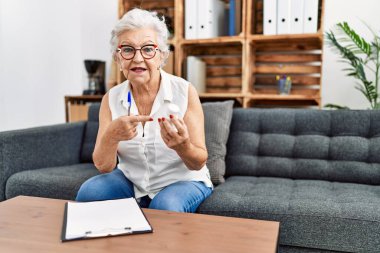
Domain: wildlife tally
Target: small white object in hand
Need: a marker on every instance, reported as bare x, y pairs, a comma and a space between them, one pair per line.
173, 109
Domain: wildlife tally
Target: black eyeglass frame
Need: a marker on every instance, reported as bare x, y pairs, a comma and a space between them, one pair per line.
135, 49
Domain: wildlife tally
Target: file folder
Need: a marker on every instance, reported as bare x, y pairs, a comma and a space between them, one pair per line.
211, 19
86, 220
283, 16
270, 17
310, 16
191, 19
232, 18
296, 16
196, 73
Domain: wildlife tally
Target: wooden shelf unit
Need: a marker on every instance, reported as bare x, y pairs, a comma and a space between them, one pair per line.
76, 107
244, 67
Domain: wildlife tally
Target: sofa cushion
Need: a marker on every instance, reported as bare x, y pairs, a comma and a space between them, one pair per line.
217, 126
338, 146
90, 133
56, 182
313, 213
39, 147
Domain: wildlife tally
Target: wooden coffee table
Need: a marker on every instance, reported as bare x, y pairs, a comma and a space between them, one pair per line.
30, 224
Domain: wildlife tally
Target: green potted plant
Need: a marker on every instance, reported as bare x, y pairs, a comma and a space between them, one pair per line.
363, 58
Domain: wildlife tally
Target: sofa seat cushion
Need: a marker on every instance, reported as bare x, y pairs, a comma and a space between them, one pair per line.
313, 213
56, 182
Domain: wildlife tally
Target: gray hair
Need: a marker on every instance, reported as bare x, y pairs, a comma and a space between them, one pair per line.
138, 18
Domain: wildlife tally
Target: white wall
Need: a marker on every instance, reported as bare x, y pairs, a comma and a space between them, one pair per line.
42, 47
98, 17
336, 86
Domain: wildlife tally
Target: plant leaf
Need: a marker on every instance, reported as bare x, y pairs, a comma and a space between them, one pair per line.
351, 47
359, 42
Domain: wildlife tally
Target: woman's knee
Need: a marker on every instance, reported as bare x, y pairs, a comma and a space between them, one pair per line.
105, 187
181, 197
89, 190
169, 203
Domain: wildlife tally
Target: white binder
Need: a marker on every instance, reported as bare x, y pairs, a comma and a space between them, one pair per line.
191, 19
310, 16
211, 18
270, 17
283, 16
296, 16
196, 73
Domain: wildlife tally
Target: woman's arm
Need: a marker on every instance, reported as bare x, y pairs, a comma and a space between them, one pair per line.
189, 141
110, 133
104, 155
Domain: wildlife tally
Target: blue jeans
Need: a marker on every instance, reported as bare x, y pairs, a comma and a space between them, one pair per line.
183, 196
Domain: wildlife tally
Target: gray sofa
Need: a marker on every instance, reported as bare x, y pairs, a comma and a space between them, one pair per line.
315, 171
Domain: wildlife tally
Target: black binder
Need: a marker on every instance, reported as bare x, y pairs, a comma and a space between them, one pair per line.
81, 221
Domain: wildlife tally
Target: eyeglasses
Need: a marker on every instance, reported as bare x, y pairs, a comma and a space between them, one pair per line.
129, 52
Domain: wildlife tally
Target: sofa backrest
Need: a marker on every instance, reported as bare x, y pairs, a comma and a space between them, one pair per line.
339, 145
91, 131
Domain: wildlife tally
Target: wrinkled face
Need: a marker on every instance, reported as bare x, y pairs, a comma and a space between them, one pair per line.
143, 66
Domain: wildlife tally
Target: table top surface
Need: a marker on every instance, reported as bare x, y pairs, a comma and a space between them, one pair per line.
31, 224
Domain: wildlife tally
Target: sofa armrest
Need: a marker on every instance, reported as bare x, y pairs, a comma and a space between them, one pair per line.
39, 147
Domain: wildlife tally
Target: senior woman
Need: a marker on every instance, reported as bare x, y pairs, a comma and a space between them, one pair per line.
153, 123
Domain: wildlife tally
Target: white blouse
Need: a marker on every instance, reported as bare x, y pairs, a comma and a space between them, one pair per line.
146, 160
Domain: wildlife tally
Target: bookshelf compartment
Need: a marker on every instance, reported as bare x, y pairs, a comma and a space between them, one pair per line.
223, 66
239, 20
300, 60
256, 22
256, 16
162, 7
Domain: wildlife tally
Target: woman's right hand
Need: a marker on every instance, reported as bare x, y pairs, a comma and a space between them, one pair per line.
125, 127
110, 133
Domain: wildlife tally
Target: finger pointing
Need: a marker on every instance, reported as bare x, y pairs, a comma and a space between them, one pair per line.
140, 118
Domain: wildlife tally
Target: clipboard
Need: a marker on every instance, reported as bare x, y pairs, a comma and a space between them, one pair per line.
87, 220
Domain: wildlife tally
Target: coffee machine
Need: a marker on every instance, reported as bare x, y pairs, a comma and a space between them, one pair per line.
96, 77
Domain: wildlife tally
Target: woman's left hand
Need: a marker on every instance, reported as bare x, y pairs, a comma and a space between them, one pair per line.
174, 133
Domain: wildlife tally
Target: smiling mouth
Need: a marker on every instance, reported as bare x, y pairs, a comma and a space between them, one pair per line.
138, 70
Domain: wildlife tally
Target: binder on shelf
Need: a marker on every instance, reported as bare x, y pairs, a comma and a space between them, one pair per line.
270, 17
191, 19
196, 73
310, 16
232, 18
283, 17
296, 16
211, 19
87, 220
